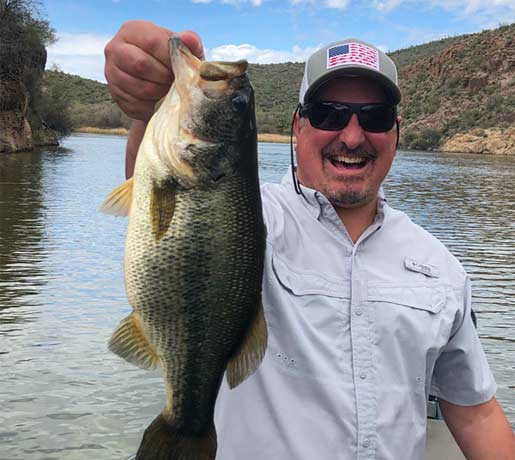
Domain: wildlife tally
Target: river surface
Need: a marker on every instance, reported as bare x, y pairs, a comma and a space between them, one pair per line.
64, 396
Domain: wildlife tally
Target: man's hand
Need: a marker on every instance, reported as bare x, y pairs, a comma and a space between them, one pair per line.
481, 431
138, 66
139, 73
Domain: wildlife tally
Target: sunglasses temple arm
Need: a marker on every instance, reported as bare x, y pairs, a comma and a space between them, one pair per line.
398, 134
296, 183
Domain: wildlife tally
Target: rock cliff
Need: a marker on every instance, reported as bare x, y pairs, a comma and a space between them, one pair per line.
17, 75
492, 141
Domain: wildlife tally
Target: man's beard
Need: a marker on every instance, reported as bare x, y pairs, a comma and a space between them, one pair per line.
347, 197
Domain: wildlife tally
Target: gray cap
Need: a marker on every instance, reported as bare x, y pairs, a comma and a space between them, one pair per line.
349, 57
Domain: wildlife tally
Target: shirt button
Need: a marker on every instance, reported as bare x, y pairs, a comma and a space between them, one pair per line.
366, 443
362, 375
359, 311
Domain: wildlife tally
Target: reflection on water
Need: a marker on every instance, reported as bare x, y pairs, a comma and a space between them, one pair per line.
64, 396
22, 226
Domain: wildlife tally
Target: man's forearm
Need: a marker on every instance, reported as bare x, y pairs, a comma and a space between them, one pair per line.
131, 151
481, 431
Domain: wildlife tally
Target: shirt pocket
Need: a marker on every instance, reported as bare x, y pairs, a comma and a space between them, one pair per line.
307, 314
409, 331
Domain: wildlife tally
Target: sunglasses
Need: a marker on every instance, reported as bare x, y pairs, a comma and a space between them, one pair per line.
333, 116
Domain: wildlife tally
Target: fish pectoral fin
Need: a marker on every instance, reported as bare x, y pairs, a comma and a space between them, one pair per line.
162, 207
251, 351
118, 202
129, 342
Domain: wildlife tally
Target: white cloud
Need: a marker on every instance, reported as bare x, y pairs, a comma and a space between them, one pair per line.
487, 13
257, 55
79, 54
338, 4
386, 5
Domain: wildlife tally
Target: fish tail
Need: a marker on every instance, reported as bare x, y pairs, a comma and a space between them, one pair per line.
162, 441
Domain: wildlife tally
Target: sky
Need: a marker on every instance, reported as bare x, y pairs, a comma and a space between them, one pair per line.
264, 31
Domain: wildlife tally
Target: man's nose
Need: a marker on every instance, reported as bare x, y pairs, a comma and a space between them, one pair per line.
353, 134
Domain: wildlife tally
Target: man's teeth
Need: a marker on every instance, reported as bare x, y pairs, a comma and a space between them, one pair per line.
350, 160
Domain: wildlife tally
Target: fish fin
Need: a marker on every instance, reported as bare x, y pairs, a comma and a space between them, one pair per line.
162, 441
251, 351
129, 342
118, 202
162, 207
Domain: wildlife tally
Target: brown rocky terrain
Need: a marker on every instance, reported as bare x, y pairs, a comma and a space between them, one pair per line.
493, 141
467, 84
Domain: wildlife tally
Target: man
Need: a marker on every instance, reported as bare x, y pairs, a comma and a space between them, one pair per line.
367, 313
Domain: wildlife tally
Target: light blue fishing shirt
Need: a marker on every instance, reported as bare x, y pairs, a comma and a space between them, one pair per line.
359, 335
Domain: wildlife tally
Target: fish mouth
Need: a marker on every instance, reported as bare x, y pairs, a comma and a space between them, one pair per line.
213, 77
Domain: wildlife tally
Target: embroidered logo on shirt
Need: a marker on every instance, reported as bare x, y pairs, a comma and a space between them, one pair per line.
425, 269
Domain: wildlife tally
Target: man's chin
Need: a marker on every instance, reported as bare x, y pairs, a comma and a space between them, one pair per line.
347, 199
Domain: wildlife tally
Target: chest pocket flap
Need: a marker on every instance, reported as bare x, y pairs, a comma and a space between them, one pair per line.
307, 282
428, 298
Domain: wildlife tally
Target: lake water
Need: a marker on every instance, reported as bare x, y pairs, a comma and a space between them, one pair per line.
64, 396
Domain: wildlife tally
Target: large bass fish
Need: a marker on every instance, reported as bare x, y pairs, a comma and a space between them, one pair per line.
194, 251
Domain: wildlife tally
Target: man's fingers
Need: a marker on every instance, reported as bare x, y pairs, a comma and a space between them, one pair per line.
141, 88
193, 42
135, 108
136, 62
138, 66
149, 37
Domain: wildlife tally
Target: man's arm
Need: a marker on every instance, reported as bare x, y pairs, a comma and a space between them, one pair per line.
482, 431
131, 150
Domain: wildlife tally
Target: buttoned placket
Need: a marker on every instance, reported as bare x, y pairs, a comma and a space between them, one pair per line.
362, 329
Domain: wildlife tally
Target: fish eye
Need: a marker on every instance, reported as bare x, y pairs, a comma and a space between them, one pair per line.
239, 102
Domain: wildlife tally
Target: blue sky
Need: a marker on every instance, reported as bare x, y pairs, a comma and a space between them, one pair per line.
265, 31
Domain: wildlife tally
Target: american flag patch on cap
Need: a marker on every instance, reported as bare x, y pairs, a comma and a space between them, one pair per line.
352, 53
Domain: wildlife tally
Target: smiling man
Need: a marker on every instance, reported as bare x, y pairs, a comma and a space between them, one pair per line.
367, 312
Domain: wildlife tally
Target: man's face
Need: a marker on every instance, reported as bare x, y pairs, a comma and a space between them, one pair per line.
321, 154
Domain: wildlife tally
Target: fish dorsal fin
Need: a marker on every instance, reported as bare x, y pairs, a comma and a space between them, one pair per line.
251, 351
118, 202
129, 342
162, 207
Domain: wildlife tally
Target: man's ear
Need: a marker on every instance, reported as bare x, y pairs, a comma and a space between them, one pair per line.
298, 124
399, 120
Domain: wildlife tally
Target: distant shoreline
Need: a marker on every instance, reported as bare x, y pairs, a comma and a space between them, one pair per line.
262, 137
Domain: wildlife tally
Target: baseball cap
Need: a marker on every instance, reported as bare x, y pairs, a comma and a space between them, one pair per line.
348, 57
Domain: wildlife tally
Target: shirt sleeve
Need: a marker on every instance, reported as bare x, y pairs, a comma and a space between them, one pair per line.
462, 375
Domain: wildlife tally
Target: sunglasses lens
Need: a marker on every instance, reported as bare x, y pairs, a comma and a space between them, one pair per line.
377, 118
333, 116
329, 116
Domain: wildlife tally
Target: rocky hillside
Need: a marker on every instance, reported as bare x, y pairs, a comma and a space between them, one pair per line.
458, 94
460, 85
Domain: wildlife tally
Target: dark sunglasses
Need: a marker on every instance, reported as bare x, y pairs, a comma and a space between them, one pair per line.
333, 116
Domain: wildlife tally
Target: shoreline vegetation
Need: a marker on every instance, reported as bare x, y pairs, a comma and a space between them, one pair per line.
497, 142
262, 137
